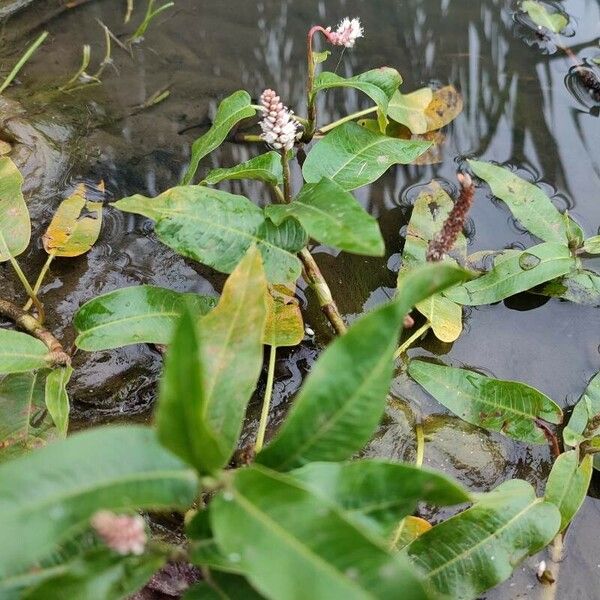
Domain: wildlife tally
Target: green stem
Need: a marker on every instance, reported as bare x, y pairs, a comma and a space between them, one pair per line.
311, 97
264, 415
38, 305
412, 339
40, 279
247, 137
287, 188
350, 117
420, 444
23, 60
85, 63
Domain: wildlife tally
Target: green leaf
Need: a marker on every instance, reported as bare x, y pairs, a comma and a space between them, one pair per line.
48, 496
217, 228
222, 586
211, 371
584, 423
99, 575
527, 202
75, 226
353, 156
540, 15
231, 111
57, 398
509, 407
409, 109
592, 245
320, 57
22, 411
378, 493
343, 398
20, 352
134, 315
379, 84
581, 287
479, 548
287, 539
575, 233
332, 216
515, 273
266, 167
568, 484
431, 209
409, 529
284, 325
15, 226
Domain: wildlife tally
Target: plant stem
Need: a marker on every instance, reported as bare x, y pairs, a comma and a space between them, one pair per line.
287, 188
85, 63
22, 61
247, 137
264, 415
413, 338
40, 279
548, 590
56, 356
420, 444
350, 117
38, 305
128, 12
311, 125
550, 436
150, 15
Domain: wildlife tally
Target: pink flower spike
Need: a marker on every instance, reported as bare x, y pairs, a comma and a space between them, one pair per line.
279, 129
125, 534
346, 34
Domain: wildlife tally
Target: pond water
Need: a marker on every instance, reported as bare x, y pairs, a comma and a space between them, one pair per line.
521, 109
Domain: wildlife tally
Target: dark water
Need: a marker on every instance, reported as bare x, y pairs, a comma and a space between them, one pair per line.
521, 108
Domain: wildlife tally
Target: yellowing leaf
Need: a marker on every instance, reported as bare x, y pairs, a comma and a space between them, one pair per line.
5, 148
284, 325
409, 109
444, 107
75, 226
409, 530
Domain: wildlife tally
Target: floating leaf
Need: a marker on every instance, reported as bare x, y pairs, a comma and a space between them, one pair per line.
568, 484
431, 209
509, 407
515, 273
75, 226
353, 156
378, 493
409, 530
231, 111
586, 412
592, 245
266, 167
284, 325
134, 315
581, 287
540, 15
288, 539
49, 495
57, 398
332, 216
379, 84
15, 226
409, 109
479, 548
217, 228
527, 202
211, 371
444, 107
343, 398
20, 352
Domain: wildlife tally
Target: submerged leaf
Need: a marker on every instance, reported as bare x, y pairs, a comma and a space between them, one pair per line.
509, 407
266, 167
15, 226
540, 15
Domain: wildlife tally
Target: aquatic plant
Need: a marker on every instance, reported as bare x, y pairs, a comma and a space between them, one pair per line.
295, 509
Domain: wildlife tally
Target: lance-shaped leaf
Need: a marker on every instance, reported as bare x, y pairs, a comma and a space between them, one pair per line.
75, 226
20, 352
378, 84
98, 575
353, 156
378, 493
222, 586
332, 216
541, 16
584, 423
431, 209
49, 496
526, 201
568, 484
15, 226
23, 425
284, 325
343, 398
509, 407
592, 245
231, 111
479, 548
288, 539
217, 228
211, 371
57, 398
581, 287
266, 167
134, 315
515, 273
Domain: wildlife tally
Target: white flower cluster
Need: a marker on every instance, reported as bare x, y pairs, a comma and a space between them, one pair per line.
346, 34
279, 129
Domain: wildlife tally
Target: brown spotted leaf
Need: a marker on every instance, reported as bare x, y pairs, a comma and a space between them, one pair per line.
284, 325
